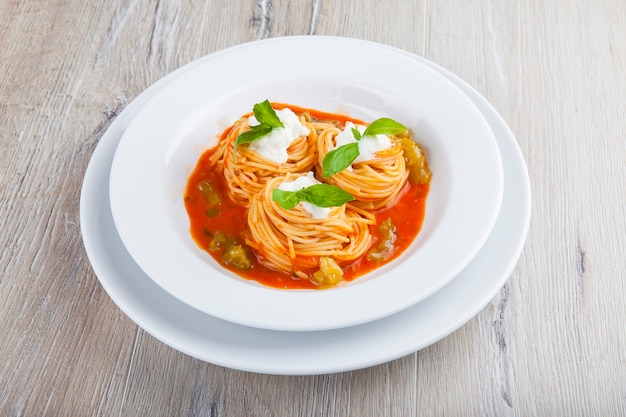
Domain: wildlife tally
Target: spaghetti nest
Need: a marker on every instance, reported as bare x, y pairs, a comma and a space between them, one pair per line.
374, 183
246, 171
293, 240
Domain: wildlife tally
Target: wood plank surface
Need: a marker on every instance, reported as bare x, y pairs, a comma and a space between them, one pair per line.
551, 343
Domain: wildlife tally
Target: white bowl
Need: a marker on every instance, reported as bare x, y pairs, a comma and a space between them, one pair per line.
365, 80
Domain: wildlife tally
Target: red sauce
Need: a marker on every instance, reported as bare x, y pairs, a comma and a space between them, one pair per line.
407, 213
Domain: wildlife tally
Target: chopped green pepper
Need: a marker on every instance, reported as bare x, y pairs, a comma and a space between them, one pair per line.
209, 193
384, 249
212, 212
219, 241
329, 274
419, 173
237, 255
234, 253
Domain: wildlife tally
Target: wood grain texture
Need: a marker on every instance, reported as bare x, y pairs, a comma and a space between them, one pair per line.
552, 342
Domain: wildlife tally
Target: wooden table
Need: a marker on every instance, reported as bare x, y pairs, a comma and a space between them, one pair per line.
552, 342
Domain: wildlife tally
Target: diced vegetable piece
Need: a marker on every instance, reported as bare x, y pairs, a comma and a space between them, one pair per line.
329, 274
209, 193
238, 256
234, 253
220, 241
419, 173
212, 211
384, 249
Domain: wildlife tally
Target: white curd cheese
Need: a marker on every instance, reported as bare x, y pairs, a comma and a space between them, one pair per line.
304, 182
368, 145
274, 145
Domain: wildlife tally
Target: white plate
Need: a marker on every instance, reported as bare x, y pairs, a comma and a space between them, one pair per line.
288, 353
162, 144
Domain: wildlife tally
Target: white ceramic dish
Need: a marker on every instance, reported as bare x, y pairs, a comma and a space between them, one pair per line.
298, 353
161, 146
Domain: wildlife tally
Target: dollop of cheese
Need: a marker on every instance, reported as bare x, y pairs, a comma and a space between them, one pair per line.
299, 183
274, 145
368, 145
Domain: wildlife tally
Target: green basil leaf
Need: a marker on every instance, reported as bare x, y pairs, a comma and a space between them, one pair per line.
255, 133
286, 199
268, 120
384, 126
324, 195
320, 195
266, 115
339, 159
356, 133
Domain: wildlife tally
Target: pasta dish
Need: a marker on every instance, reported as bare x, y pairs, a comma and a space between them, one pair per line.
296, 198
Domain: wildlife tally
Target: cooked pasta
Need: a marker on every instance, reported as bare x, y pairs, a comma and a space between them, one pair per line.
293, 240
374, 183
248, 171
